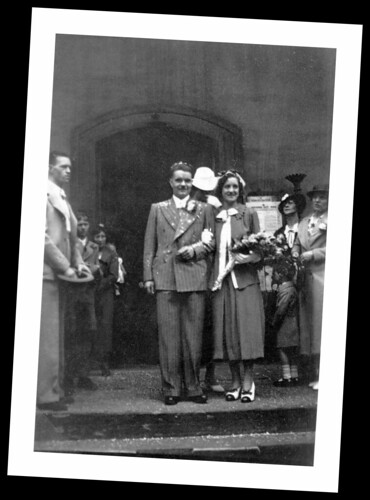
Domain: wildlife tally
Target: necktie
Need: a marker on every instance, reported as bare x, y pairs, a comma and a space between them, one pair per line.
291, 235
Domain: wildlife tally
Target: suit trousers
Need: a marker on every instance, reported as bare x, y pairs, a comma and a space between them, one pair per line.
51, 346
104, 309
180, 327
80, 330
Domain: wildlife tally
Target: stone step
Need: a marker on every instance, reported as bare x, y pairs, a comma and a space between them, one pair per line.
119, 426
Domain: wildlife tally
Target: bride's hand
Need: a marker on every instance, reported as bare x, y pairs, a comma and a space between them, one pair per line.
250, 258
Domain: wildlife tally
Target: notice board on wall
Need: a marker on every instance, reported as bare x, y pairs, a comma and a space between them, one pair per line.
267, 210
270, 220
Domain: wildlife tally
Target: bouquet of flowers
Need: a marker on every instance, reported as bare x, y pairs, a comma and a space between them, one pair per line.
267, 247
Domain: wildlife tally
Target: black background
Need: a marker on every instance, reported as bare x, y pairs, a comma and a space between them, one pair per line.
16, 34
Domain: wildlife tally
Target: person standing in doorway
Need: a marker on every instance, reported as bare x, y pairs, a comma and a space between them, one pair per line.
175, 269
104, 298
80, 314
61, 257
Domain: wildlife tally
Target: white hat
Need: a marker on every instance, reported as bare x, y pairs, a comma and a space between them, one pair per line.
205, 179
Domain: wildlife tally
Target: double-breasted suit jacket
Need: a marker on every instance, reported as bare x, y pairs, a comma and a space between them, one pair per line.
312, 293
169, 229
60, 253
180, 290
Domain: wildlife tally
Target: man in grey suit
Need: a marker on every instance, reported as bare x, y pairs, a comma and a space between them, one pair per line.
61, 257
175, 269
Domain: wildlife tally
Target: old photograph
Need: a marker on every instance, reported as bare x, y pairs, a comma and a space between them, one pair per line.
184, 276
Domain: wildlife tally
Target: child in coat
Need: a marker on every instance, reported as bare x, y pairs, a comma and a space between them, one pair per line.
285, 321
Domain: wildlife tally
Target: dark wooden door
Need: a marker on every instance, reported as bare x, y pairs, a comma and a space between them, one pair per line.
133, 171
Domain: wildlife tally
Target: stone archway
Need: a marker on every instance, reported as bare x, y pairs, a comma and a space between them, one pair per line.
86, 185
122, 162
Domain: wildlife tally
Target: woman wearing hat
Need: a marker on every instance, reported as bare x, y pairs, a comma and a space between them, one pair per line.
310, 248
291, 207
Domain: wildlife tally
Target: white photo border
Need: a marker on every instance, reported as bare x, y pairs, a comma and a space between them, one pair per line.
46, 23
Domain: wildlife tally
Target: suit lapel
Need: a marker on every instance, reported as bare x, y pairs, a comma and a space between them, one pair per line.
186, 220
56, 202
306, 238
88, 250
303, 233
170, 213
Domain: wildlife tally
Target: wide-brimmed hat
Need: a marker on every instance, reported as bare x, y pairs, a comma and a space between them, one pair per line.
205, 179
298, 198
319, 188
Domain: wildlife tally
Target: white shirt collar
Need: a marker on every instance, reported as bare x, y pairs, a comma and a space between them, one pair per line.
292, 228
181, 203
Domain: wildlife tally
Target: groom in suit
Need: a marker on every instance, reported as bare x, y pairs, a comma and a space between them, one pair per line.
175, 269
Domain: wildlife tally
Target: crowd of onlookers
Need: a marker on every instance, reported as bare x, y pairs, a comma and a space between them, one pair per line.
197, 272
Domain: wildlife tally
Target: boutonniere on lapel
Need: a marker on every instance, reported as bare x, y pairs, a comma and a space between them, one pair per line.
191, 206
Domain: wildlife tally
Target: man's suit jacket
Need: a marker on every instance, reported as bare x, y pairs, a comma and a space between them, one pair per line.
168, 229
311, 295
61, 250
315, 242
90, 254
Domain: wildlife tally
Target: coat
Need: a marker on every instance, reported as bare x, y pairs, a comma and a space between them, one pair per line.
166, 232
60, 253
285, 321
311, 295
61, 250
238, 315
109, 266
245, 222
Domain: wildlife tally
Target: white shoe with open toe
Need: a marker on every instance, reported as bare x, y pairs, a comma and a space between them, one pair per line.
248, 396
233, 395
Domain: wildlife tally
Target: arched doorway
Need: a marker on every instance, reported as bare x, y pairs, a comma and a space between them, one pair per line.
122, 168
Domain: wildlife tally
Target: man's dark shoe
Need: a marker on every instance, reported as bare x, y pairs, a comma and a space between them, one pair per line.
171, 400
201, 399
86, 383
55, 406
283, 382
